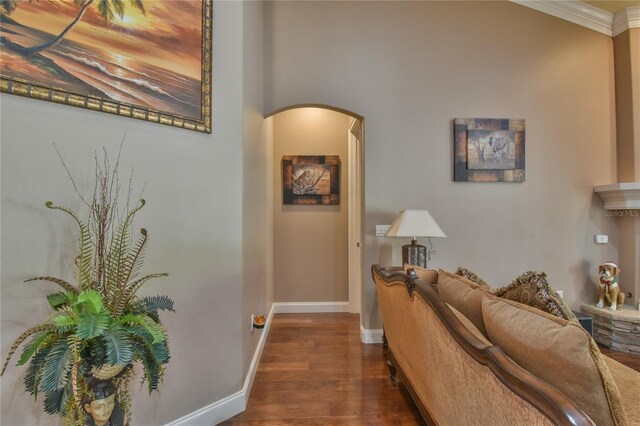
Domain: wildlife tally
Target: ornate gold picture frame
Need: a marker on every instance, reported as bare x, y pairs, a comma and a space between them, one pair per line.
143, 59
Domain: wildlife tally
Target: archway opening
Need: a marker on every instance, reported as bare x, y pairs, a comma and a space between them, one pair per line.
317, 246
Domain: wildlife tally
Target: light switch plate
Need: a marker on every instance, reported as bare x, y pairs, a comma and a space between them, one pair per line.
601, 239
381, 230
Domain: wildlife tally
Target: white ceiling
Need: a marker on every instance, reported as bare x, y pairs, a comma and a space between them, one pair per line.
613, 6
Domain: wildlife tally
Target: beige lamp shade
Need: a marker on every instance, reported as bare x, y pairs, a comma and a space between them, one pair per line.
414, 224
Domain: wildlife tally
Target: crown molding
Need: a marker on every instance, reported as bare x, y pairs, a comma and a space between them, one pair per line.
586, 15
574, 11
626, 19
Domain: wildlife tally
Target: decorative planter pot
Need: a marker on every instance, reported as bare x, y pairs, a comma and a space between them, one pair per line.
103, 404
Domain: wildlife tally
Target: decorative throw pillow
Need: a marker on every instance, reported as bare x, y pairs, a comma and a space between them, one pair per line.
464, 272
430, 276
442, 273
558, 351
533, 289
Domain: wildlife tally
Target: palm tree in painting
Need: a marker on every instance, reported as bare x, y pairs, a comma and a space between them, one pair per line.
7, 6
107, 9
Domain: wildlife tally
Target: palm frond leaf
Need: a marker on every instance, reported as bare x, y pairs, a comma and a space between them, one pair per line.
62, 283
161, 352
116, 271
97, 352
56, 367
129, 268
54, 401
155, 330
159, 302
105, 11
33, 345
115, 266
119, 349
138, 4
152, 369
21, 338
57, 300
140, 333
133, 288
65, 323
83, 261
118, 7
91, 325
34, 372
7, 6
92, 300
133, 262
129, 319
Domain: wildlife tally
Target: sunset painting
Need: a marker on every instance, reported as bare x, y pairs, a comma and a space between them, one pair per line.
147, 59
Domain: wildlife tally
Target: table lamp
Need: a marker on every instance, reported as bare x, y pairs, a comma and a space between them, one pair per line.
414, 224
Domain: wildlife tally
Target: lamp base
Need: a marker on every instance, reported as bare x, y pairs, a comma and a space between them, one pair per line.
414, 254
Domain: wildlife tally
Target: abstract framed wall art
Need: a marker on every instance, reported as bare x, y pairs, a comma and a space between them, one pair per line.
145, 59
489, 150
311, 179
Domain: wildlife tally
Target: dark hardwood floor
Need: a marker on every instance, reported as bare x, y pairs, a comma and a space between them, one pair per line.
315, 371
631, 361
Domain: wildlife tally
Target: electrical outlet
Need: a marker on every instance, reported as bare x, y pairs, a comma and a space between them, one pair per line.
560, 293
253, 320
601, 239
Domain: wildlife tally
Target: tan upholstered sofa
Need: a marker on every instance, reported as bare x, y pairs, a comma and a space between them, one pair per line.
503, 363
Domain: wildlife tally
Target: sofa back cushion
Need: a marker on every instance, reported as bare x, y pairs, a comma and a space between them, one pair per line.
558, 351
464, 295
470, 326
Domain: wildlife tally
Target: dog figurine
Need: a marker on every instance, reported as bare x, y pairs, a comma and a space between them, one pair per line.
609, 288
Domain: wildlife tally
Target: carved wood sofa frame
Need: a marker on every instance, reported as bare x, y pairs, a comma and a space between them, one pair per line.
553, 404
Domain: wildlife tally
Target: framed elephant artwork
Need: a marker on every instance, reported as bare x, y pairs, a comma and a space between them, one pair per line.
143, 59
489, 150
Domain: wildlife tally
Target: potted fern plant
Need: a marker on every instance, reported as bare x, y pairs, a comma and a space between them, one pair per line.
99, 326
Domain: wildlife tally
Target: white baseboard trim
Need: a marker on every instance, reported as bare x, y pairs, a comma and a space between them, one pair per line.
234, 404
255, 362
369, 336
310, 307
214, 413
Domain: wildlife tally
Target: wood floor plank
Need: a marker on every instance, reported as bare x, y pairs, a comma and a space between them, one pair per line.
314, 371
630, 360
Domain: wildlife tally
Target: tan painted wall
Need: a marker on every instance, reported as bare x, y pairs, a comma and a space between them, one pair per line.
410, 68
629, 263
310, 242
627, 72
194, 215
257, 243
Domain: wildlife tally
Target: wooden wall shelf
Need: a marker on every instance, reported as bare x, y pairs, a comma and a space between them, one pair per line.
620, 196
